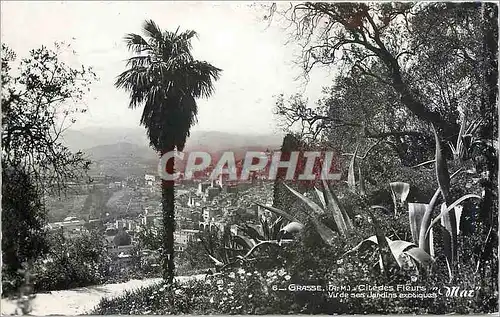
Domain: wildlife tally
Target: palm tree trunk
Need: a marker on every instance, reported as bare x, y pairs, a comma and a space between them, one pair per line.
168, 213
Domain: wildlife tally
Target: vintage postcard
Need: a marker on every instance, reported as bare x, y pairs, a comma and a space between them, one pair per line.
249, 158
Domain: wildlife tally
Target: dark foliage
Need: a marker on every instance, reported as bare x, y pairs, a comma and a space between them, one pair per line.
36, 109
24, 238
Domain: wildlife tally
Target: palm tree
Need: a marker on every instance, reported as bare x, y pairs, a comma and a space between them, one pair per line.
163, 77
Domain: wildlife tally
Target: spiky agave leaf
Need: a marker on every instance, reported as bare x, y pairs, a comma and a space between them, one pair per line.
244, 242
331, 199
450, 236
386, 257
416, 212
399, 249
311, 204
419, 255
443, 178
442, 174
445, 220
260, 245
368, 241
424, 240
253, 232
461, 144
278, 212
458, 213
400, 190
275, 228
450, 271
362, 188
216, 262
333, 205
345, 215
351, 178
320, 196
448, 211
326, 233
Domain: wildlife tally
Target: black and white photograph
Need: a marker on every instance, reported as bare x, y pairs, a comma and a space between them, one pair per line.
249, 158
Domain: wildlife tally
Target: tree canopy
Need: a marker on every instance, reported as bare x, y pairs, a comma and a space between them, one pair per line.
410, 64
39, 102
164, 77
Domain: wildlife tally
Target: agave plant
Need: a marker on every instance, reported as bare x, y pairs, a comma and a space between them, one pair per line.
421, 223
416, 212
212, 245
404, 253
465, 141
351, 178
399, 191
228, 250
330, 205
421, 250
222, 248
401, 251
460, 148
448, 213
267, 231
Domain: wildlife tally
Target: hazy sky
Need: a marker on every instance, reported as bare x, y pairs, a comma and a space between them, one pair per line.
232, 36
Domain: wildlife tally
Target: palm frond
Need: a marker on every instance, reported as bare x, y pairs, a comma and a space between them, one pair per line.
137, 43
136, 81
202, 76
152, 30
139, 61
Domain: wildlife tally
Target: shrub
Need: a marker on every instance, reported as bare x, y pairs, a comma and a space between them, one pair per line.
72, 262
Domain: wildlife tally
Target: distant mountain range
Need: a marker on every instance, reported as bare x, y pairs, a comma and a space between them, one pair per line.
128, 150
92, 137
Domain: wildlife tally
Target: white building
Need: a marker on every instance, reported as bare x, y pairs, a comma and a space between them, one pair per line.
184, 236
150, 179
70, 226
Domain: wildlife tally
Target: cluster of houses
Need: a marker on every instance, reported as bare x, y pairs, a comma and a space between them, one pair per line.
200, 206
120, 238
